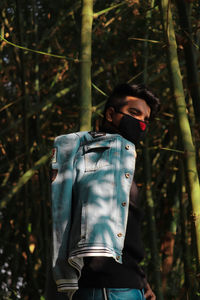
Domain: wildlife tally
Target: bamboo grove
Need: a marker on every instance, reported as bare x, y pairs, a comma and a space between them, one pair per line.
59, 60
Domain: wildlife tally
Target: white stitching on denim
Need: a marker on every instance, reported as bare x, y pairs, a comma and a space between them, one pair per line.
93, 294
105, 294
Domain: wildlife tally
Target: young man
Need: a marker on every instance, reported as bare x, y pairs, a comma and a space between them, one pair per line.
96, 215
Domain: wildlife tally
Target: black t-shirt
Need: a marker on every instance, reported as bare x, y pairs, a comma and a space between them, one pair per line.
105, 271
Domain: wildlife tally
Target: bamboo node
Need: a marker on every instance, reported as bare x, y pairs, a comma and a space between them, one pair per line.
195, 216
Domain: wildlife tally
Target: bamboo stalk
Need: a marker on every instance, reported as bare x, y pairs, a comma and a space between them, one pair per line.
184, 126
190, 56
85, 72
190, 280
152, 224
148, 187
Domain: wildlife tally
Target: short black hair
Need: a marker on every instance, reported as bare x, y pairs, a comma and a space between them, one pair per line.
117, 97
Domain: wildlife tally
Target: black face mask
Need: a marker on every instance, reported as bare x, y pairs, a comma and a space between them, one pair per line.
131, 128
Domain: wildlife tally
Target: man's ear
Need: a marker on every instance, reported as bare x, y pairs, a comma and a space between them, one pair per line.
109, 113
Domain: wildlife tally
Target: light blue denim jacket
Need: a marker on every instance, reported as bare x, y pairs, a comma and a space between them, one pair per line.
90, 200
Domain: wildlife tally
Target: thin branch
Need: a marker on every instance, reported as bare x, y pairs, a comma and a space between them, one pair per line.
39, 52
95, 15
24, 179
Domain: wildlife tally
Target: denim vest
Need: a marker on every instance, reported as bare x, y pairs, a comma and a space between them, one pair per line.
90, 200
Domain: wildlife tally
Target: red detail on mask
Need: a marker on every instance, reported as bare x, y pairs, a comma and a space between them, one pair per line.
143, 126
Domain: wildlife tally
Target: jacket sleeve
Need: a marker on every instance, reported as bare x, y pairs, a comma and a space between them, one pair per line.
64, 151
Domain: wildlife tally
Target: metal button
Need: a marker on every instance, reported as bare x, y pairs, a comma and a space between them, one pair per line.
123, 203
127, 175
119, 234
127, 147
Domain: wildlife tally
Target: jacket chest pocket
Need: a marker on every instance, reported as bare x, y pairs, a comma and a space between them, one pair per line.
96, 156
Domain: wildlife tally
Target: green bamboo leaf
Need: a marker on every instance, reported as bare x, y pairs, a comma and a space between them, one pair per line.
99, 90
173, 150
9, 104
145, 40
29, 227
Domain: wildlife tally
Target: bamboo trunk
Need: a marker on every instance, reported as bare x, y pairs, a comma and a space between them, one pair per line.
148, 188
155, 257
85, 64
184, 126
190, 57
189, 272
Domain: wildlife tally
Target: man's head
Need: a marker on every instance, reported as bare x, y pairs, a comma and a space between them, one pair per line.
118, 98
129, 108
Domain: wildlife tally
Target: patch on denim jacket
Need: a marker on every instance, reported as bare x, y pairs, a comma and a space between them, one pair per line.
54, 155
53, 174
95, 134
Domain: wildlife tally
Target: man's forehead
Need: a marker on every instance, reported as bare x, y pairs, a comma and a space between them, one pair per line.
138, 103
131, 99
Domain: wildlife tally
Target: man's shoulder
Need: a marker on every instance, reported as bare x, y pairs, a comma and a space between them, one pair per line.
70, 136
84, 137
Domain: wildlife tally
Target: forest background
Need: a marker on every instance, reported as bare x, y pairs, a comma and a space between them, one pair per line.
47, 79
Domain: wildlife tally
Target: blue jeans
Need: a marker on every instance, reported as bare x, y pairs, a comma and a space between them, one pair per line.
108, 294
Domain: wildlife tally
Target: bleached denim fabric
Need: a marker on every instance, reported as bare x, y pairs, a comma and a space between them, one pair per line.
90, 198
109, 294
